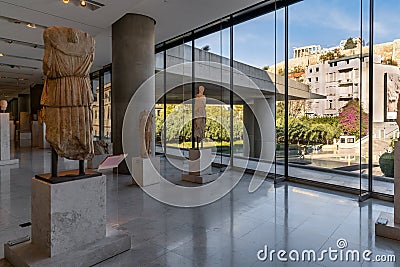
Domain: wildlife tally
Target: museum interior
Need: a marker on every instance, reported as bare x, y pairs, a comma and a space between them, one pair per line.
199, 133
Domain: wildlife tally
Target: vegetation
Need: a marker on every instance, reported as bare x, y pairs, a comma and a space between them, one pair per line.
390, 61
350, 44
331, 55
350, 118
297, 69
179, 123
302, 130
305, 130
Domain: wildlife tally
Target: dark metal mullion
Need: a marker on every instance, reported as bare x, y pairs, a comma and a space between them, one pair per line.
193, 92
109, 69
231, 89
362, 195
371, 93
165, 102
286, 91
360, 93
275, 56
101, 104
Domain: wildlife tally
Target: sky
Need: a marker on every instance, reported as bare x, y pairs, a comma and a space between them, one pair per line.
318, 22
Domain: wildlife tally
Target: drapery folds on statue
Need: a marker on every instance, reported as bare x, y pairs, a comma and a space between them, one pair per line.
67, 94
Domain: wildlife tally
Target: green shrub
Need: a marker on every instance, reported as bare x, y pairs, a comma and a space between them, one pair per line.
386, 162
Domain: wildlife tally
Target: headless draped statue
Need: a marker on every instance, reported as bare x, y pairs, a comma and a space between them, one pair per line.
145, 127
200, 116
67, 94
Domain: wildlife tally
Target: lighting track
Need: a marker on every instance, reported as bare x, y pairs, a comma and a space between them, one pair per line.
17, 66
21, 57
12, 41
88, 4
22, 22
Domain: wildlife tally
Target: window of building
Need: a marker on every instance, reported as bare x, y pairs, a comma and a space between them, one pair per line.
316, 69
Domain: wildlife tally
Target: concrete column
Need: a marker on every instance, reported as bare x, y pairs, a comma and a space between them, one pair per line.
248, 123
264, 139
36, 94
133, 62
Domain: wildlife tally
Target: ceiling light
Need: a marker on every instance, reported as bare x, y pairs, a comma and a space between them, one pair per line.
31, 25
1, 55
83, 3
65, 1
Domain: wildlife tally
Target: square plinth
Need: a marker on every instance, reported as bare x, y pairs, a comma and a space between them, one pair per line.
390, 230
146, 171
27, 254
200, 161
68, 215
4, 137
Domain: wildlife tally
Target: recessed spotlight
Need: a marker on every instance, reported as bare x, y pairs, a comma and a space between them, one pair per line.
83, 3
31, 25
65, 1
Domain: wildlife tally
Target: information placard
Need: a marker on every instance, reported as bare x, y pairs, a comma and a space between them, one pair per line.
112, 161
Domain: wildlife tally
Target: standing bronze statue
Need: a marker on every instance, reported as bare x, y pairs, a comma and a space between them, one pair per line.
67, 94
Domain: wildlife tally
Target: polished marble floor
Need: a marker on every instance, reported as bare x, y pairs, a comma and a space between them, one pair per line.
228, 232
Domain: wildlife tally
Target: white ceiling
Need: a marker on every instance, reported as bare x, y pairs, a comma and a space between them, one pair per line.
173, 17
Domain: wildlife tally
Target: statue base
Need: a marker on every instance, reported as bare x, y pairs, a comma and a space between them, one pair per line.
386, 227
25, 139
200, 169
66, 176
146, 171
68, 226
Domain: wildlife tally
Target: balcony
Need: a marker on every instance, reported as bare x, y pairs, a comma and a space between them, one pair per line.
345, 82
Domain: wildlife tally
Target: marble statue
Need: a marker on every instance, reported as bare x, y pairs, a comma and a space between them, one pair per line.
3, 105
67, 94
200, 116
146, 130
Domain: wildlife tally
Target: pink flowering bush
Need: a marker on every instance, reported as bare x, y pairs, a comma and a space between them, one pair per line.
350, 118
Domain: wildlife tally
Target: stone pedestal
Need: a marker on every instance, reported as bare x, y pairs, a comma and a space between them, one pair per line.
25, 139
24, 122
5, 140
200, 167
146, 170
68, 226
392, 228
37, 130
